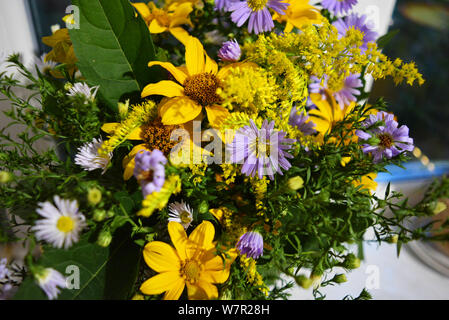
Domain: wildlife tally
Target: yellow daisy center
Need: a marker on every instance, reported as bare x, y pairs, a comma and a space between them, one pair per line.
185, 217
262, 149
202, 88
65, 224
191, 270
256, 5
386, 140
157, 136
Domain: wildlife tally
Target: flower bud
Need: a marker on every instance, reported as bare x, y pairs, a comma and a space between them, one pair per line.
351, 262
203, 207
303, 281
439, 207
5, 177
68, 86
99, 215
393, 239
94, 196
123, 109
295, 183
104, 239
340, 278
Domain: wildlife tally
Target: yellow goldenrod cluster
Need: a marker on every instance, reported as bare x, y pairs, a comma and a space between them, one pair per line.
320, 51
230, 223
159, 200
230, 171
260, 187
141, 114
252, 275
249, 90
198, 171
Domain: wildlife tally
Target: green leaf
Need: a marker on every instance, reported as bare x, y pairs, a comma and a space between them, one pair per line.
105, 273
113, 46
385, 39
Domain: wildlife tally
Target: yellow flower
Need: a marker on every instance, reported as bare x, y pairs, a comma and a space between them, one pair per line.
196, 87
192, 263
328, 112
298, 14
367, 182
62, 51
170, 19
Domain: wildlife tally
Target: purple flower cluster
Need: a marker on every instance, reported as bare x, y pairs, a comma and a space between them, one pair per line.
260, 19
338, 7
359, 23
149, 170
230, 51
261, 150
300, 120
251, 244
383, 137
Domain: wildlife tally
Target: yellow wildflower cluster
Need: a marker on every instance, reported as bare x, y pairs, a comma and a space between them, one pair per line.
252, 275
320, 51
249, 90
230, 171
260, 187
198, 171
230, 223
159, 200
141, 114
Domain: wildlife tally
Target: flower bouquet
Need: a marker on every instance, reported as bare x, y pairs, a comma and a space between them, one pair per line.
201, 150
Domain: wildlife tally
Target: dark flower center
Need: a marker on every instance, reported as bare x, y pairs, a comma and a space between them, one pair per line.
202, 88
157, 136
386, 140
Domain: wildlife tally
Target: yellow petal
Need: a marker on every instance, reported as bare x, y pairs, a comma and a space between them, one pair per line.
203, 235
161, 257
177, 73
211, 66
178, 237
160, 283
201, 290
136, 134
180, 34
155, 27
175, 292
179, 110
210, 290
183, 10
129, 162
143, 9
194, 56
216, 115
165, 88
110, 127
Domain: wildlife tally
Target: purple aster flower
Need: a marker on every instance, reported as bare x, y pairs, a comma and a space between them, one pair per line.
359, 23
257, 12
300, 120
149, 170
251, 244
383, 137
338, 7
261, 150
230, 51
223, 5
345, 95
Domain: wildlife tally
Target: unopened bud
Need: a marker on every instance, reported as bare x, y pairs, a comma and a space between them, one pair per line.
203, 207
99, 215
351, 262
340, 278
295, 183
5, 177
68, 86
104, 239
94, 196
303, 281
393, 239
123, 109
439, 207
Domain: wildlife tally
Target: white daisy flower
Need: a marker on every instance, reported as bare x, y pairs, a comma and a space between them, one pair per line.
81, 88
62, 224
44, 66
49, 280
89, 158
180, 212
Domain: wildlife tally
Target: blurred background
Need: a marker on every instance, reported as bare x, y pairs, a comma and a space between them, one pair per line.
422, 270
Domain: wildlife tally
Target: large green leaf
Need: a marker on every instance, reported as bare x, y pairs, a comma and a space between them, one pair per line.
113, 46
105, 273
